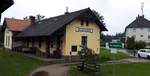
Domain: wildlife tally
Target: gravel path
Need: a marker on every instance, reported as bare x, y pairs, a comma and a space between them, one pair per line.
129, 60
134, 60
52, 70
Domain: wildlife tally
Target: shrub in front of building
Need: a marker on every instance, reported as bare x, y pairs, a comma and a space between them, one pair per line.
132, 44
140, 44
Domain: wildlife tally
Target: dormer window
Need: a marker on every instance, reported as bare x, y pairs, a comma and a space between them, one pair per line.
87, 23
82, 22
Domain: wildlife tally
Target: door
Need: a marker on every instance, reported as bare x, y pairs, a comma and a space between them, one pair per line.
84, 41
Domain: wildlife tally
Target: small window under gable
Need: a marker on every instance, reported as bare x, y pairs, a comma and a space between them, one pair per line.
82, 22
87, 23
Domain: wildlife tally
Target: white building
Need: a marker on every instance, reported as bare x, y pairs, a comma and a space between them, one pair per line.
139, 29
12, 27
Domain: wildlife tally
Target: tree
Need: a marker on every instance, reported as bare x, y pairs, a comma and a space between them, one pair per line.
140, 45
38, 17
130, 43
100, 17
105, 38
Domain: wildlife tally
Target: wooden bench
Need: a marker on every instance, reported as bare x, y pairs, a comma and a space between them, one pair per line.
93, 67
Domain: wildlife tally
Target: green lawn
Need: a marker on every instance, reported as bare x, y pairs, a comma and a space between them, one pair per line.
17, 65
132, 69
106, 70
105, 55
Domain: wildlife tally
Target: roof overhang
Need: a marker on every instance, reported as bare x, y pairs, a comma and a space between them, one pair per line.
5, 4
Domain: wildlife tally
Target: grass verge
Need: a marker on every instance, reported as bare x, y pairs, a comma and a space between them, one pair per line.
132, 69
105, 55
17, 65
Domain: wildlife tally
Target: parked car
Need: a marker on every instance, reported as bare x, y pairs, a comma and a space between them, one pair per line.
144, 53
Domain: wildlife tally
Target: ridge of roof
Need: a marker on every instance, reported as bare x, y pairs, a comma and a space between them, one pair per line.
17, 24
48, 26
139, 22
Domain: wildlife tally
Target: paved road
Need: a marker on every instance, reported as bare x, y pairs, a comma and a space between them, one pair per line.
134, 60
53, 70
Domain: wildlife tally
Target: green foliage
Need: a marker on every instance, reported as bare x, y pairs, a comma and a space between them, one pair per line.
130, 69
105, 55
99, 16
12, 64
74, 72
87, 55
132, 44
140, 44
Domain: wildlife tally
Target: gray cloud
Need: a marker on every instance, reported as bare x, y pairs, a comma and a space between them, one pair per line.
117, 13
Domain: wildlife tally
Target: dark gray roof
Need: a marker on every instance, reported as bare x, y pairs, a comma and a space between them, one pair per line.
4, 4
49, 26
139, 22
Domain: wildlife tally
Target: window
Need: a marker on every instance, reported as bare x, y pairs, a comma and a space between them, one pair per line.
148, 44
82, 22
148, 29
134, 36
142, 50
141, 35
148, 36
134, 29
27, 43
40, 43
141, 28
32, 42
74, 48
84, 41
87, 23
52, 44
8, 40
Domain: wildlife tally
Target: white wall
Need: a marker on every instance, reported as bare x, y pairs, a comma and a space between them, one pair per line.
137, 32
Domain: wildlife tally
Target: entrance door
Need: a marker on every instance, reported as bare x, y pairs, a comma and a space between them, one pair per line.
84, 41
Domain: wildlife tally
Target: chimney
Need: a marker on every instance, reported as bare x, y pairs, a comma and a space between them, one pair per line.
138, 16
143, 16
32, 18
66, 11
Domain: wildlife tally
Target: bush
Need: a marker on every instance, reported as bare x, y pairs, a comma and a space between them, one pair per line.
132, 44
106, 55
140, 45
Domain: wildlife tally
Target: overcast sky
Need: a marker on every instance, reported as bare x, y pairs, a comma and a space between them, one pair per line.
117, 13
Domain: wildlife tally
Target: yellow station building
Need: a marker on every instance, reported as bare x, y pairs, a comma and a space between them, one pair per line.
63, 35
